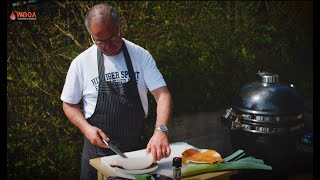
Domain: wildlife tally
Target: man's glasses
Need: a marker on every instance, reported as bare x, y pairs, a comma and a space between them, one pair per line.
103, 43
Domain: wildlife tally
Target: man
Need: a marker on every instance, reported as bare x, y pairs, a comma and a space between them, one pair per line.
112, 78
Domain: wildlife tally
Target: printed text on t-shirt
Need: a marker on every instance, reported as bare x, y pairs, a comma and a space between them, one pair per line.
116, 77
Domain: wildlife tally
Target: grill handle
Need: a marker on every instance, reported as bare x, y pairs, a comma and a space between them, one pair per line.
236, 120
266, 77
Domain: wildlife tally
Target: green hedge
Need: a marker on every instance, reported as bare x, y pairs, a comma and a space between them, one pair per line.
205, 50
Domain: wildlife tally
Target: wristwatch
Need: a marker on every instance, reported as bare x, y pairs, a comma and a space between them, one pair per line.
162, 128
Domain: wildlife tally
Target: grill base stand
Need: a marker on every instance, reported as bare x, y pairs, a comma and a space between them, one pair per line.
282, 152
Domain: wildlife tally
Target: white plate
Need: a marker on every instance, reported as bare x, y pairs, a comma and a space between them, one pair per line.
138, 171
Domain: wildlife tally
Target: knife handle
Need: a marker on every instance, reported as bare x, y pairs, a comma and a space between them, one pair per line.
105, 142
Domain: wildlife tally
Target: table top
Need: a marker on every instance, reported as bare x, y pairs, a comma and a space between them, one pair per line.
164, 165
101, 167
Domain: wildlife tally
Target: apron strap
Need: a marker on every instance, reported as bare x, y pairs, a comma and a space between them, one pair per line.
131, 73
128, 62
100, 65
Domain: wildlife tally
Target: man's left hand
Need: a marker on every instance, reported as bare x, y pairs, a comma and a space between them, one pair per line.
159, 145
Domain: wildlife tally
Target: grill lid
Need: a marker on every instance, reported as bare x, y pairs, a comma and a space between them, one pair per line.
268, 97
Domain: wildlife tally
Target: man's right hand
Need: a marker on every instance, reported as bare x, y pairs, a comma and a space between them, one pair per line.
94, 135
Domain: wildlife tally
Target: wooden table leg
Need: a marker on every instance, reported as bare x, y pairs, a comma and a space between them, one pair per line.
100, 176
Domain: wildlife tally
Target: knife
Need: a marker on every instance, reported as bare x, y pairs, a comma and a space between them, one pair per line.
114, 149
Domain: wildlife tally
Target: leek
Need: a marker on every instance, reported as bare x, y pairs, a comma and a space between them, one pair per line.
238, 157
232, 162
240, 152
235, 165
143, 177
251, 159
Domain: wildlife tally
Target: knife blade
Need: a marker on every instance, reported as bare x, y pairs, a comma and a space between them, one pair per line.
114, 149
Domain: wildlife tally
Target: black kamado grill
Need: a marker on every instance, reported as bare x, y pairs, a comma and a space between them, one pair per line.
266, 120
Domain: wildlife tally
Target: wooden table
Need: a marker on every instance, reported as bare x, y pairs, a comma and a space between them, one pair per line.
103, 172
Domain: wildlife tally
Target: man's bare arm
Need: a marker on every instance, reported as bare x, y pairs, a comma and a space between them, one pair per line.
75, 115
159, 143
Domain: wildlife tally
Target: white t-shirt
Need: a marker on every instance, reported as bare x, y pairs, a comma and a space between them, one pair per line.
83, 78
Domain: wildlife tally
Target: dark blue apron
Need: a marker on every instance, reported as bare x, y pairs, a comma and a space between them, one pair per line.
118, 113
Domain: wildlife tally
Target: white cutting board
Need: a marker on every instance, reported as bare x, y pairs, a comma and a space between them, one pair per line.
165, 165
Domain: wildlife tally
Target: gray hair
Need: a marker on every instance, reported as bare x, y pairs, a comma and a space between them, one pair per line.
97, 14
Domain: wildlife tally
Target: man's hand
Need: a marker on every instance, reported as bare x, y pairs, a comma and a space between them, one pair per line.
159, 146
94, 135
